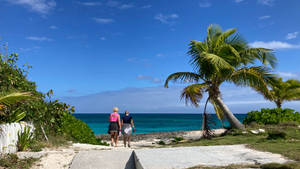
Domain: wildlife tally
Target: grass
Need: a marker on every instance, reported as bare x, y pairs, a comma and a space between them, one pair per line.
285, 142
226, 167
53, 141
264, 166
11, 161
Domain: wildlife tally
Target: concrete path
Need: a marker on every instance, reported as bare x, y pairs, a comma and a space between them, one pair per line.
185, 157
172, 158
104, 159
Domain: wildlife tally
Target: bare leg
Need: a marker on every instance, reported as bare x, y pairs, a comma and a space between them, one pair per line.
112, 135
128, 139
124, 139
116, 139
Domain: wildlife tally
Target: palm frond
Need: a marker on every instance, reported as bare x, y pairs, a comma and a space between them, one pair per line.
183, 77
193, 93
262, 54
257, 78
219, 112
13, 98
216, 61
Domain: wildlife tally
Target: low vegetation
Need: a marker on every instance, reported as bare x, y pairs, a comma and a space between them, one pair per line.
25, 138
272, 116
12, 161
264, 166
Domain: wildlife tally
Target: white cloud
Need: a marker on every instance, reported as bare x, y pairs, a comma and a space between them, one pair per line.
126, 6
205, 4
53, 27
103, 20
29, 49
90, 3
148, 78
287, 75
166, 19
162, 100
238, 1
39, 6
266, 2
273, 45
291, 35
36, 38
117, 4
146, 6
102, 38
264, 17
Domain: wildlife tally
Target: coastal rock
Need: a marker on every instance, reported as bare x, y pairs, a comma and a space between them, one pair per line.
257, 131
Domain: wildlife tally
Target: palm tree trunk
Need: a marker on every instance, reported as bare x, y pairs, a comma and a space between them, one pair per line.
278, 103
234, 122
204, 116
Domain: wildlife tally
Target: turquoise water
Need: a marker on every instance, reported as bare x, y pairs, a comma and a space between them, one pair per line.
149, 123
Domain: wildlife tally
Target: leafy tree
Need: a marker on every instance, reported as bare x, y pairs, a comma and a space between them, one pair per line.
49, 116
224, 57
284, 91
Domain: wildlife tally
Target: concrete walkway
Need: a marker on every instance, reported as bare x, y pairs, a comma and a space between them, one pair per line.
172, 158
105, 159
185, 157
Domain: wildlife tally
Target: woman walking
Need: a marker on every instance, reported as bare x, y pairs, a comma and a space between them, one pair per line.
127, 128
114, 126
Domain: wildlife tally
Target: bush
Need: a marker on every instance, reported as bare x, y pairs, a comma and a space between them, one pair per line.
276, 134
161, 142
12, 161
272, 116
78, 131
24, 139
177, 139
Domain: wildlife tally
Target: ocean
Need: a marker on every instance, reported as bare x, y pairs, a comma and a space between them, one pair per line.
149, 123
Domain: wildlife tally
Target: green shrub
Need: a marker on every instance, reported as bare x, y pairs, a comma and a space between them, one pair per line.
24, 139
272, 116
161, 142
276, 134
177, 139
78, 131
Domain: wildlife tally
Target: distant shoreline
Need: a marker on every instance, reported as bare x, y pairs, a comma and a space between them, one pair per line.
191, 135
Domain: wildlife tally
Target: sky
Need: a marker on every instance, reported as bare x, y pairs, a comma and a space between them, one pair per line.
97, 54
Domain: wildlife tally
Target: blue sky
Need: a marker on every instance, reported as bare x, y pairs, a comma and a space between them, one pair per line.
88, 51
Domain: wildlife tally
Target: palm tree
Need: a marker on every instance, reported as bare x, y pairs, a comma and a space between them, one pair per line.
284, 91
224, 57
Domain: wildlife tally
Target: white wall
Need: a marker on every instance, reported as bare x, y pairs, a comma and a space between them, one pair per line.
9, 135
